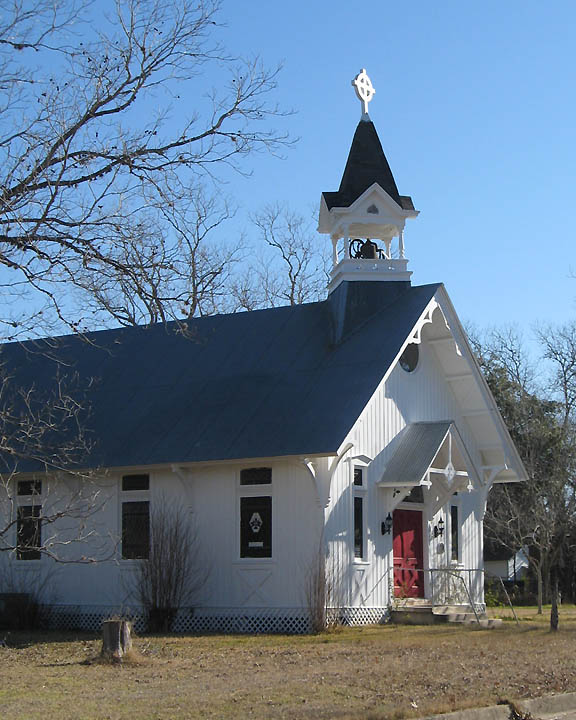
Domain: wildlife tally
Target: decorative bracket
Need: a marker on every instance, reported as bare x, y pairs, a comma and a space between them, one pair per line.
424, 319
492, 471
489, 473
322, 472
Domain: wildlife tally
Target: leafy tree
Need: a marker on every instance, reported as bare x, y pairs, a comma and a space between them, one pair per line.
538, 514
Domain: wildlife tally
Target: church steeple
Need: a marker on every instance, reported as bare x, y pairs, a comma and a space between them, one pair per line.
366, 208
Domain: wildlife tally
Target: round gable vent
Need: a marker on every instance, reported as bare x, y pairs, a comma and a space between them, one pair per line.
409, 358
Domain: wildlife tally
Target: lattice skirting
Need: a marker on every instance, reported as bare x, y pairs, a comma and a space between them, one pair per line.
290, 621
358, 615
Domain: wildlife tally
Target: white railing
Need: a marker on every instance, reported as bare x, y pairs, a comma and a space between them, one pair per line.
447, 586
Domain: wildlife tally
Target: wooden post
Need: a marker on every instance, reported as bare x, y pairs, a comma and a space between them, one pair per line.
116, 638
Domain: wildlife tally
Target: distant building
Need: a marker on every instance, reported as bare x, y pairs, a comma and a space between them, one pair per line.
506, 564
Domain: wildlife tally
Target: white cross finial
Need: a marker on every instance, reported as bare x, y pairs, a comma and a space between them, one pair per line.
364, 89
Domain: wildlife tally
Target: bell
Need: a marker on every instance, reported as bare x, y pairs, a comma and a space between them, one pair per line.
368, 250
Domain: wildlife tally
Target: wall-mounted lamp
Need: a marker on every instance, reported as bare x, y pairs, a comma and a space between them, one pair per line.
387, 525
439, 529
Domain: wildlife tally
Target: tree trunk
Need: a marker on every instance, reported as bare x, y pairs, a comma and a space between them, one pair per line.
554, 610
116, 638
539, 581
547, 590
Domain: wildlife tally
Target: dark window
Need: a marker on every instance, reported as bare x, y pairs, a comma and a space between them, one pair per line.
416, 495
454, 532
358, 527
256, 527
135, 530
358, 476
256, 476
409, 358
135, 482
29, 530
29, 487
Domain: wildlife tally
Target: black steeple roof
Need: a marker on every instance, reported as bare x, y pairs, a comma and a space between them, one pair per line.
365, 166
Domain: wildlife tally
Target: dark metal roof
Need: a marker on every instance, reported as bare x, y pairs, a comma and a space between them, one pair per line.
258, 384
365, 166
417, 446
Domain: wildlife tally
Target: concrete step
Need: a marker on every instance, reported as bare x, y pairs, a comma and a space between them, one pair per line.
447, 609
420, 614
412, 602
485, 622
463, 617
413, 616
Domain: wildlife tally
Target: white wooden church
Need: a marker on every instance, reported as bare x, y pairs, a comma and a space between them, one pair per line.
358, 430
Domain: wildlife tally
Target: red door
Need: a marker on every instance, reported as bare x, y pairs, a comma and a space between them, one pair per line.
408, 554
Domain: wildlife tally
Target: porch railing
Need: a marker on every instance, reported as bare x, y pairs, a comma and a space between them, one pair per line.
449, 587
445, 586
505, 593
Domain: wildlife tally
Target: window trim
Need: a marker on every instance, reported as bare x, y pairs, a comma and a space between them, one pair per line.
35, 484
127, 496
35, 500
416, 367
258, 490
127, 476
361, 470
255, 484
360, 492
455, 505
36, 519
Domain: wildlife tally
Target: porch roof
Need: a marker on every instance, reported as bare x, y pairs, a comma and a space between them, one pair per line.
417, 447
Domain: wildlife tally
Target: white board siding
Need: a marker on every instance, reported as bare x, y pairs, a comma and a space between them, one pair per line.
423, 395
211, 496
296, 524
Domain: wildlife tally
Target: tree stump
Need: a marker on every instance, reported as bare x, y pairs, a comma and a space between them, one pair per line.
116, 639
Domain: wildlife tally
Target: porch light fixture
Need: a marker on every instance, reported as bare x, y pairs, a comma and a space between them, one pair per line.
387, 525
439, 529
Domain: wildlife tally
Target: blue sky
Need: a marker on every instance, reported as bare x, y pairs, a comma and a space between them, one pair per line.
474, 106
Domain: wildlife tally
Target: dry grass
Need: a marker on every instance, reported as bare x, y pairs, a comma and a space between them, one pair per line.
372, 673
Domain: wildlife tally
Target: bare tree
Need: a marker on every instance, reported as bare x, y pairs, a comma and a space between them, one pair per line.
111, 136
559, 346
295, 272
96, 152
322, 592
48, 506
175, 570
189, 277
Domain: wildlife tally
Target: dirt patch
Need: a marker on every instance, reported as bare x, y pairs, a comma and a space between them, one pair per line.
374, 673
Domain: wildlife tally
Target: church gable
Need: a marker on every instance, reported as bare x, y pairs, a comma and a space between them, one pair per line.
434, 377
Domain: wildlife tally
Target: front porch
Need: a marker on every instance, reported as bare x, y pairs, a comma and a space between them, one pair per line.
434, 501
453, 597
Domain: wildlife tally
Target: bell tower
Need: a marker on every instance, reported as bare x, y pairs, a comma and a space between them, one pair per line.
365, 218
